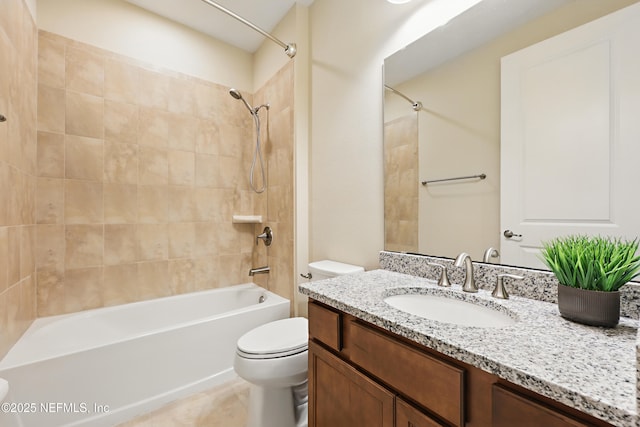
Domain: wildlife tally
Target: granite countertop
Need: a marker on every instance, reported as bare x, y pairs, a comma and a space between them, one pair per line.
588, 368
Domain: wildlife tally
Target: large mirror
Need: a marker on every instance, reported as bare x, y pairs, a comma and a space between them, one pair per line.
442, 120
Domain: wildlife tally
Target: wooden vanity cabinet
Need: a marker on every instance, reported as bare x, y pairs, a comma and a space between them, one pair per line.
354, 377
363, 376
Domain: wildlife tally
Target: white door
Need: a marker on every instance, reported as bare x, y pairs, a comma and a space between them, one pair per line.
570, 143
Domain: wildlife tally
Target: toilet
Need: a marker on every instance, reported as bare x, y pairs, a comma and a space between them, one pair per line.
273, 358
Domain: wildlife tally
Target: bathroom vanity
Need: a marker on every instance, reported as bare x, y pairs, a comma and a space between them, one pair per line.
373, 365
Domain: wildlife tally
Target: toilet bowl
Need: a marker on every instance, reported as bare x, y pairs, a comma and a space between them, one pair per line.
274, 359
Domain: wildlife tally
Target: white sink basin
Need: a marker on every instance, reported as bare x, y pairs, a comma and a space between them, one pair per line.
449, 310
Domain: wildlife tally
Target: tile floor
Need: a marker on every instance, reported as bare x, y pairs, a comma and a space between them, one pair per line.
222, 406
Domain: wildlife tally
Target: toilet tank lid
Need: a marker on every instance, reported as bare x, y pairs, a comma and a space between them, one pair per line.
276, 337
333, 268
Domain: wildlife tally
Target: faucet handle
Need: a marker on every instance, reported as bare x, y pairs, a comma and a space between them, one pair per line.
500, 291
444, 277
266, 236
491, 252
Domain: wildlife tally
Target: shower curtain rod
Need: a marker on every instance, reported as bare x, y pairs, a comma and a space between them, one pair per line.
289, 49
417, 105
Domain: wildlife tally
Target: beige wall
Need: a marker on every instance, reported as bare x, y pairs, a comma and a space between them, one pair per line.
32, 5
18, 101
270, 57
126, 29
346, 199
460, 134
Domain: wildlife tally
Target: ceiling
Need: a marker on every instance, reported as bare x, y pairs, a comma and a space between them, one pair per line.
478, 25
202, 17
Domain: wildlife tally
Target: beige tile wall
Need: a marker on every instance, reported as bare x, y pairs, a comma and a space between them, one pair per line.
401, 184
139, 173
278, 149
18, 73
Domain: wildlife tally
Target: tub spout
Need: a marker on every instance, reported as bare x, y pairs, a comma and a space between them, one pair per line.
259, 270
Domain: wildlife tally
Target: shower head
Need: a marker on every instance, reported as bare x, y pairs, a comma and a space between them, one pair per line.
237, 95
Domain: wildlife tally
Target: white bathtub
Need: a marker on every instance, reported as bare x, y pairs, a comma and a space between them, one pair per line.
104, 366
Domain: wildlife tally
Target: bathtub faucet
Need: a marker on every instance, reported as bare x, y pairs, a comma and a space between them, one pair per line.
259, 270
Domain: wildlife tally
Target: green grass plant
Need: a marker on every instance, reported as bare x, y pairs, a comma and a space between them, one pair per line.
592, 262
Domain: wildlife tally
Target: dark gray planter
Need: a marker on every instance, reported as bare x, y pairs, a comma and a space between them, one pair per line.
593, 308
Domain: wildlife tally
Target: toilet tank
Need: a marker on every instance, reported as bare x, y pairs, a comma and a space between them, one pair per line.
326, 269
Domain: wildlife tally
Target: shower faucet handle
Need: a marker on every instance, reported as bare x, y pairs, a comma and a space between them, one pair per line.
266, 236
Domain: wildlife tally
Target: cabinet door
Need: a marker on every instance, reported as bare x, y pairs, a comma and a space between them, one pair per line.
408, 416
573, 96
340, 396
511, 409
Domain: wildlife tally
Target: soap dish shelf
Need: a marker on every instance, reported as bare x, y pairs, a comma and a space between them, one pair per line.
247, 219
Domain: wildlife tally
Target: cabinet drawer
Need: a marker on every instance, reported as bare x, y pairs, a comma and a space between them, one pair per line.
431, 382
324, 325
510, 409
408, 416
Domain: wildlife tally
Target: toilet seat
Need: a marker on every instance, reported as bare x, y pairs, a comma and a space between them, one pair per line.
272, 340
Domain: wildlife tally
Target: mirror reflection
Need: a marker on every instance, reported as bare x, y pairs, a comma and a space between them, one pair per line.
454, 73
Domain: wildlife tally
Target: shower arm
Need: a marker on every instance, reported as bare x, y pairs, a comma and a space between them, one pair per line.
417, 105
289, 49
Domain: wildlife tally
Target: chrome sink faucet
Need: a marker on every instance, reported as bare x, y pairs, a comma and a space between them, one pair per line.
469, 281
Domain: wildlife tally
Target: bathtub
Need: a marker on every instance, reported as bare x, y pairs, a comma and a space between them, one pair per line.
104, 366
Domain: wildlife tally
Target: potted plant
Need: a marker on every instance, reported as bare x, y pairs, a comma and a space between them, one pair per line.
590, 271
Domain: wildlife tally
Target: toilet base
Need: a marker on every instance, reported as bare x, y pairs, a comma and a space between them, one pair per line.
271, 407
276, 407
301, 402
302, 415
